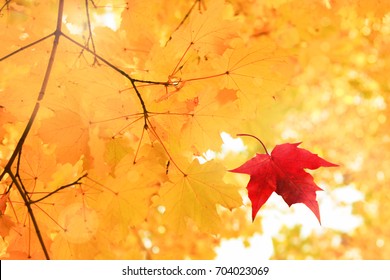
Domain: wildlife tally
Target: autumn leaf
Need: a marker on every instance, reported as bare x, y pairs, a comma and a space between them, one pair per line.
68, 132
195, 195
283, 172
3, 202
5, 117
6, 224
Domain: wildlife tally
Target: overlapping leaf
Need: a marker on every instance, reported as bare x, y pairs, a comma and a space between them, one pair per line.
195, 195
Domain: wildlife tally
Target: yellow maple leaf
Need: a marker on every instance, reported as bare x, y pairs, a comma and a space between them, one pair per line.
195, 195
69, 132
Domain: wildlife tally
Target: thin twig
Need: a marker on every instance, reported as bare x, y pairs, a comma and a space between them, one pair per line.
184, 19
123, 73
26, 47
30, 213
90, 37
5, 4
77, 182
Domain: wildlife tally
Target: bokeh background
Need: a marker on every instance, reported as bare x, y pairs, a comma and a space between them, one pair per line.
338, 103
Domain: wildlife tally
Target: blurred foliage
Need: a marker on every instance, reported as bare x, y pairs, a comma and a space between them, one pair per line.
339, 103
335, 100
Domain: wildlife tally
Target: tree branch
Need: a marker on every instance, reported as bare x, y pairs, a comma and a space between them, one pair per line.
77, 182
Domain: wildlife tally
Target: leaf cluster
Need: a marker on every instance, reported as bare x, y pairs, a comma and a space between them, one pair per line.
102, 123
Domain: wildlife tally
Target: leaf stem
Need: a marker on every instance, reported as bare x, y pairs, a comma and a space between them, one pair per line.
261, 142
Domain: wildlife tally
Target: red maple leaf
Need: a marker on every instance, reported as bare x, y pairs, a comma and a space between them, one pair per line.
283, 172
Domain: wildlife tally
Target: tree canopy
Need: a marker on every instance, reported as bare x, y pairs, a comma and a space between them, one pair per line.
115, 117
